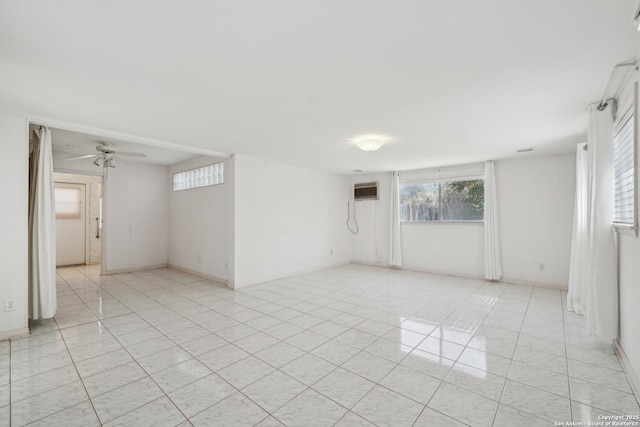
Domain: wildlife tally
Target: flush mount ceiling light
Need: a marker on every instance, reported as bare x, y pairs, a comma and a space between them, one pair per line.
370, 142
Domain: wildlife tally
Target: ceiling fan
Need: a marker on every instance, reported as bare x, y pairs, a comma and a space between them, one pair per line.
107, 153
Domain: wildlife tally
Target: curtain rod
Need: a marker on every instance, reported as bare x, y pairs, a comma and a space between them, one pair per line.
603, 104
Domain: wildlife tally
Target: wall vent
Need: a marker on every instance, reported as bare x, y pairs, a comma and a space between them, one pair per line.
365, 191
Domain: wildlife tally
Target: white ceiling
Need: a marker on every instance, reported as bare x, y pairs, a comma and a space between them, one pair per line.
78, 144
288, 80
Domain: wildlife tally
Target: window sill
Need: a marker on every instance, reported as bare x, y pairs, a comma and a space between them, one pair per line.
627, 230
442, 222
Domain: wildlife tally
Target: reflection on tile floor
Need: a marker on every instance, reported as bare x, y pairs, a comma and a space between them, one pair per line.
352, 345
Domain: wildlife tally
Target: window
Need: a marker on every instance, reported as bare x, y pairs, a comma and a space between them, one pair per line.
67, 203
443, 201
200, 177
624, 167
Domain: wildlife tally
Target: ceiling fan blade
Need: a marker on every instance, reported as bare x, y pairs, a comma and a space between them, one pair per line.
124, 153
74, 149
86, 156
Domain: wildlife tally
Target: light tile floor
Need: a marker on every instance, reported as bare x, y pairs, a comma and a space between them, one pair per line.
347, 346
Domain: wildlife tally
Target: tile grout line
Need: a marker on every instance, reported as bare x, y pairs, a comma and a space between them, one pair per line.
151, 325
277, 368
149, 375
566, 358
79, 377
346, 296
137, 363
215, 372
305, 353
10, 383
124, 348
75, 367
512, 354
176, 343
466, 346
537, 388
68, 350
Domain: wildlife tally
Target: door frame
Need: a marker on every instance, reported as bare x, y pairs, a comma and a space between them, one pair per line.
103, 234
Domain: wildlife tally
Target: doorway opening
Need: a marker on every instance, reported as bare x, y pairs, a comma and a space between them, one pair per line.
78, 207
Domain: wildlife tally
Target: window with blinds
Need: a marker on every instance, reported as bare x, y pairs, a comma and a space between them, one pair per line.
624, 166
200, 177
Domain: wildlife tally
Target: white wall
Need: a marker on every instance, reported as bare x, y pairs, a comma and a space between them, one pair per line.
535, 209
629, 294
230, 182
13, 223
535, 200
371, 244
288, 220
435, 247
448, 248
199, 223
136, 217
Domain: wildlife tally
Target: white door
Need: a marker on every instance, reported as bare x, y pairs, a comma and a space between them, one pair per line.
71, 224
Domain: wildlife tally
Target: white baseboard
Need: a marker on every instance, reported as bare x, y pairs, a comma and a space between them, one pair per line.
134, 269
371, 264
558, 286
632, 376
283, 276
13, 334
445, 273
216, 279
418, 270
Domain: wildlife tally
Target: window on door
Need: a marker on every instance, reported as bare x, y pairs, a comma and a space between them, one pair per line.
67, 203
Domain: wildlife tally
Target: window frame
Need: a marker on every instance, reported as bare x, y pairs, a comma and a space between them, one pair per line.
439, 181
620, 121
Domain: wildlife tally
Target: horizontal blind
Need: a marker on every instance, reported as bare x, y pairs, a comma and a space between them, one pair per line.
623, 158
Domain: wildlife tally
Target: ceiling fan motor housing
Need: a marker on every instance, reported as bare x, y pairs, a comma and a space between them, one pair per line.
106, 149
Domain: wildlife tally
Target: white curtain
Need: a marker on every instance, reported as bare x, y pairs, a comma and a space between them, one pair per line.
395, 252
42, 229
601, 276
492, 263
577, 296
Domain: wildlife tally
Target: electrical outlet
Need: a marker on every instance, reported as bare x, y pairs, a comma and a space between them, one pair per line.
9, 305
541, 266
331, 252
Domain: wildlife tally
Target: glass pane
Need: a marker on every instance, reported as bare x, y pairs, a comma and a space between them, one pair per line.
67, 203
200, 177
419, 202
462, 200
